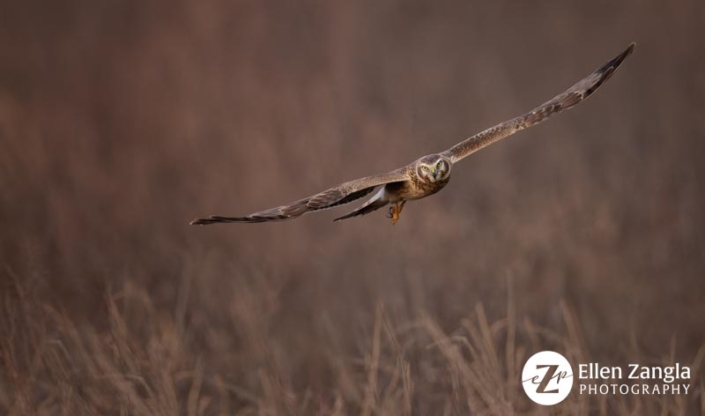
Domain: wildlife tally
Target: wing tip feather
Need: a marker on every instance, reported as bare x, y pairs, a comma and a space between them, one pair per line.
205, 221
200, 221
613, 64
214, 219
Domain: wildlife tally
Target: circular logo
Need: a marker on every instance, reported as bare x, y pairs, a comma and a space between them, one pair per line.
547, 378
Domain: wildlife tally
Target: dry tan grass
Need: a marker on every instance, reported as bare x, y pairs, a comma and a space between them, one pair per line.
140, 362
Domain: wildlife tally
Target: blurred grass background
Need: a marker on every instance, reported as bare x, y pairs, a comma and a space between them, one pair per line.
122, 121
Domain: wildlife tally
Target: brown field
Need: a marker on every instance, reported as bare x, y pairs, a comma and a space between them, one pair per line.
122, 121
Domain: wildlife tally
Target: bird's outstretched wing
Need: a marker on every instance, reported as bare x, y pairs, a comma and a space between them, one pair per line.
563, 101
338, 195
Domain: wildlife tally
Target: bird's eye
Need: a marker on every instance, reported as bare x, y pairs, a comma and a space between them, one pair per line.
438, 166
425, 168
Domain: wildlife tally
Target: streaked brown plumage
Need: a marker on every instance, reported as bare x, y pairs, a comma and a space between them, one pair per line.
431, 173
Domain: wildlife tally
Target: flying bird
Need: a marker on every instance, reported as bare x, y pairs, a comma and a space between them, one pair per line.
429, 174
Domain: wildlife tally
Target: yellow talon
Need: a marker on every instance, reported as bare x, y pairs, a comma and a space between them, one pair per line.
395, 211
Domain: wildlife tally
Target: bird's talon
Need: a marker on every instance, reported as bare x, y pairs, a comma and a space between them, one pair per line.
394, 213
390, 212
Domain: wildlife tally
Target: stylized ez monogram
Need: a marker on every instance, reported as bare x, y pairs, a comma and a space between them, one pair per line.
536, 382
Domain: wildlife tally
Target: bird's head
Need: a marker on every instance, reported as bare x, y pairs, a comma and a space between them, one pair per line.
433, 168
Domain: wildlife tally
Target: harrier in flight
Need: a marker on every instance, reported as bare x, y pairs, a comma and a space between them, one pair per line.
431, 173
